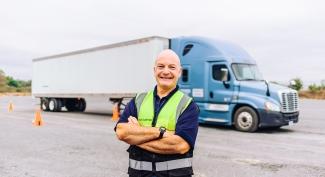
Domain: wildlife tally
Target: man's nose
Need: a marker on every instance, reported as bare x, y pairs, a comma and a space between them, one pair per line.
165, 70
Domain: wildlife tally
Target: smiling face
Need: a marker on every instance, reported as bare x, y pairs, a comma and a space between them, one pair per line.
167, 70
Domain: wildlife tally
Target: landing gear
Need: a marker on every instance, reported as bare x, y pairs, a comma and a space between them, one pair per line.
117, 102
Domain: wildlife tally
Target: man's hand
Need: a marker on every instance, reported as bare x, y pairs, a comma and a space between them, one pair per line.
133, 134
146, 138
133, 121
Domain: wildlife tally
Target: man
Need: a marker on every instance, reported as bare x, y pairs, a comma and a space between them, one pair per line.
161, 125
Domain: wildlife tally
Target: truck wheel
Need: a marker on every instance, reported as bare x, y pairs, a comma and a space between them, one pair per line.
58, 105
81, 105
44, 104
55, 105
246, 119
70, 104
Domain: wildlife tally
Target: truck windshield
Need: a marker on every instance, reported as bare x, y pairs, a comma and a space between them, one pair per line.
246, 72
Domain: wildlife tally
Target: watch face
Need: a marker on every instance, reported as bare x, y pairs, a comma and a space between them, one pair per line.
162, 131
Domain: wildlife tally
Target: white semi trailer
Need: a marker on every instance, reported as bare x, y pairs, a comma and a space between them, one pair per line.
114, 71
222, 78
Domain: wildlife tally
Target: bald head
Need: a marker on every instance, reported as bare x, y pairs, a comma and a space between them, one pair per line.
167, 70
168, 55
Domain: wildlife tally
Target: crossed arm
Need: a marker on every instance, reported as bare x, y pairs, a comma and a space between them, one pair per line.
146, 138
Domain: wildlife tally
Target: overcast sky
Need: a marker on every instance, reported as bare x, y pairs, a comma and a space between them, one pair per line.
286, 37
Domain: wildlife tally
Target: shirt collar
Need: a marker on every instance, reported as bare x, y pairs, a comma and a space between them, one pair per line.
169, 95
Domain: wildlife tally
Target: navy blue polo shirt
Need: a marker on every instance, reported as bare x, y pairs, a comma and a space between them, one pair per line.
187, 123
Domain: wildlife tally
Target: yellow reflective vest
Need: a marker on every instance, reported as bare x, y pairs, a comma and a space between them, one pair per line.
168, 115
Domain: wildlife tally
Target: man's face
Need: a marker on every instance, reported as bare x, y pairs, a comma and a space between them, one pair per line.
167, 71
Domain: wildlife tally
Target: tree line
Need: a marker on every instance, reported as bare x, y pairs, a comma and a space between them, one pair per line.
9, 84
312, 88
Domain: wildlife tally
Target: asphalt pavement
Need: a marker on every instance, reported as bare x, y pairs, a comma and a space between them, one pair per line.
85, 145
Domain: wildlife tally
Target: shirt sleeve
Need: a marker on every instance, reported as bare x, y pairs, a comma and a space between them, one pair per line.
187, 124
130, 110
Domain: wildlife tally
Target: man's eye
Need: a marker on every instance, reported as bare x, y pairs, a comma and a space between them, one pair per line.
172, 67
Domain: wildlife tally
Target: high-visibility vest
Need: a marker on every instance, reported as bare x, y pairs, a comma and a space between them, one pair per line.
168, 115
143, 163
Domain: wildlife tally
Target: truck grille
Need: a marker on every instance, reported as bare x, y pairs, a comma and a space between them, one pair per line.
289, 101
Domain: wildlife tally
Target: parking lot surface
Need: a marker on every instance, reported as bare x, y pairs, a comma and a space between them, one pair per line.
85, 145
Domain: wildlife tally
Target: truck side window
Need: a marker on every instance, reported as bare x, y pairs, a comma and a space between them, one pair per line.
185, 75
216, 72
187, 49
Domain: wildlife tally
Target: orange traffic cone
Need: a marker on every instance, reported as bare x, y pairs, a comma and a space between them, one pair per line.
38, 118
10, 107
116, 113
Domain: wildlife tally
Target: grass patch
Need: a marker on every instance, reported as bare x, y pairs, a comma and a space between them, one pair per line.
318, 94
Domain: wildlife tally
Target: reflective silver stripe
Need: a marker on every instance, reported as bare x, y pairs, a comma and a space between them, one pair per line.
161, 166
140, 165
173, 164
182, 105
138, 100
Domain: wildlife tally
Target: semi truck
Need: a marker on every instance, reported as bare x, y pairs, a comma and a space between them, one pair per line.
221, 77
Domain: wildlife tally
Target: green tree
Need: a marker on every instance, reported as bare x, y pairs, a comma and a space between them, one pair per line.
313, 88
322, 84
299, 84
12, 82
23, 83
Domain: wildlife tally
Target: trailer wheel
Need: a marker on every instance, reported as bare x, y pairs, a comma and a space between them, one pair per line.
44, 104
75, 104
59, 105
70, 104
246, 119
55, 105
81, 106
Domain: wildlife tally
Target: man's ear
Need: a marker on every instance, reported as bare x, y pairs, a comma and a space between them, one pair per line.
180, 72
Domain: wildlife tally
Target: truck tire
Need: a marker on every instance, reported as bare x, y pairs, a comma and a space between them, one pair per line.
81, 105
59, 105
70, 104
44, 104
246, 119
75, 105
55, 105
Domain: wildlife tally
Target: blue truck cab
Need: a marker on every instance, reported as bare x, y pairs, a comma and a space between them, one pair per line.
226, 84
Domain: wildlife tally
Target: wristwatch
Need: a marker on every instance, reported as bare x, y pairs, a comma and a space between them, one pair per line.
162, 131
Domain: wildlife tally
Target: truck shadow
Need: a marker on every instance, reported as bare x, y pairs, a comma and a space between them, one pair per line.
89, 113
97, 113
219, 127
268, 130
271, 130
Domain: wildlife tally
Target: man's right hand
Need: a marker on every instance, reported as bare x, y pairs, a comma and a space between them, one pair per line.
134, 121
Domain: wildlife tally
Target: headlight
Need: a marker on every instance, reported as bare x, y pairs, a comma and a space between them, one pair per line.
271, 107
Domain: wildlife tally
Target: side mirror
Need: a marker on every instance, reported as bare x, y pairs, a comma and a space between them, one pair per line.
224, 74
224, 77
